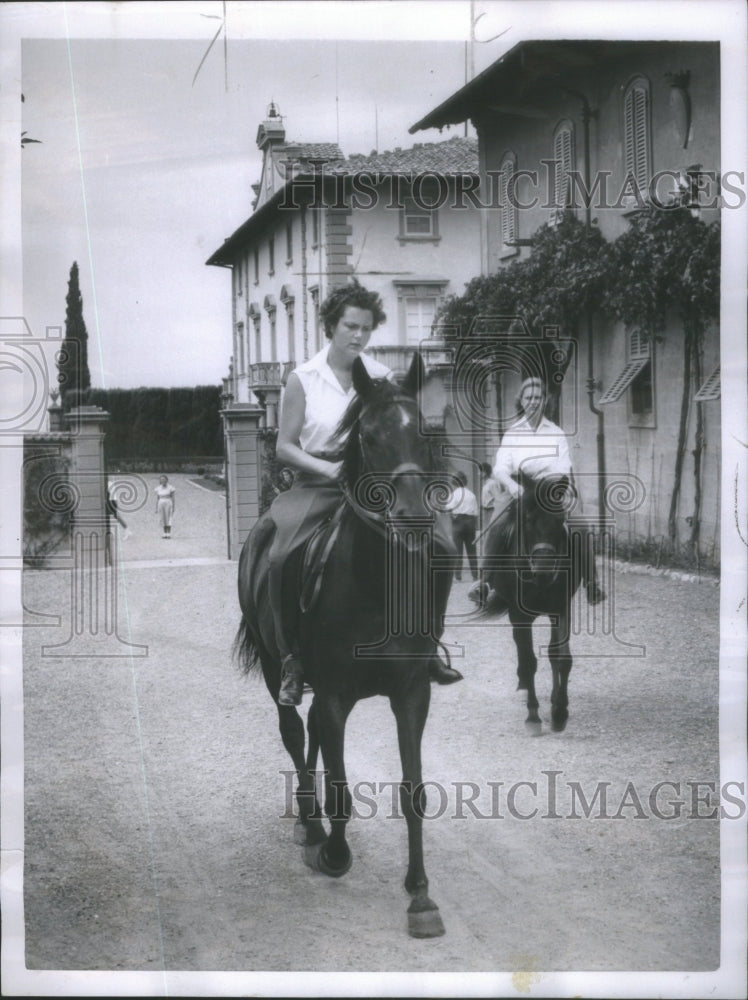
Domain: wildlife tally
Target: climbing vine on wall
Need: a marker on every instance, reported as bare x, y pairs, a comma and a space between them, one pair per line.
666, 263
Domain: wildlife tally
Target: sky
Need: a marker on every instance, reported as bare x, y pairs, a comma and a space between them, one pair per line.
141, 173
142, 168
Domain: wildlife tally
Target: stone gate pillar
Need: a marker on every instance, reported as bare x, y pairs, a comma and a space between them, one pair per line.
241, 425
87, 426
93, 580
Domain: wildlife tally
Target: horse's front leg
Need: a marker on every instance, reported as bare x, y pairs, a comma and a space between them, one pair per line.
410, 708
560, 656
333, 856
309, 828
527, 663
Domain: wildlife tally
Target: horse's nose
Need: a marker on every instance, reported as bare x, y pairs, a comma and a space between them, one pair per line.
543, 558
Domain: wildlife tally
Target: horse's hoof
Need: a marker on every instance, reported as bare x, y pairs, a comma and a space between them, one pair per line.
534, 727
299, 833
314, 857
558, 725
424, 919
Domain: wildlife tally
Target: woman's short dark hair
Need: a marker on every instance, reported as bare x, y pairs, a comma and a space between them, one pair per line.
353, 294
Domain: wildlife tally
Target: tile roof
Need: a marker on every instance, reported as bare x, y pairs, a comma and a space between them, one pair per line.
312, 150
457, 155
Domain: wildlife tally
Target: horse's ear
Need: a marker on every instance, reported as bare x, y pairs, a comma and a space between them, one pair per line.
416, 375
362, 380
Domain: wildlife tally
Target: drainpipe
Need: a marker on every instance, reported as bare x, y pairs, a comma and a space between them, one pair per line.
587, 114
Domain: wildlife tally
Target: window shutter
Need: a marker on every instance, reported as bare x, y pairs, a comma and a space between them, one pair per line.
564, 157
711, 389
638, 346
641, 114
508, 212
637, 156
622, 381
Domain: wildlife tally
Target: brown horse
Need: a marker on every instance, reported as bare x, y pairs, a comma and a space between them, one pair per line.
373, 624
532, 565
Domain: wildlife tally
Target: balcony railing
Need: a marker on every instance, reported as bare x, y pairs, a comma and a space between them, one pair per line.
437, 355
265, 375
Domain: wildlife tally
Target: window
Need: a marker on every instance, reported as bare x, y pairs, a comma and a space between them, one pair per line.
291, 331
256, 317
564, 158
508, 206
417, 221
273, 336
419, 318
257, 266
271, 257
271, 309
637, 144
289, 301
418, 302
239, 349
637, 375
315, 226
240, 277
289, 242
314, 292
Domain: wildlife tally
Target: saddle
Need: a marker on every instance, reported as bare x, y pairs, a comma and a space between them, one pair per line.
314, 559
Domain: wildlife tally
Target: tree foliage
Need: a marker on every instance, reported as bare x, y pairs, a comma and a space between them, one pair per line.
566, 273
72, 365
667, 263
158, 423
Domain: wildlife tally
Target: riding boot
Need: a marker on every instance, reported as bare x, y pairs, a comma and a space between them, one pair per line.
441, 673
292, 681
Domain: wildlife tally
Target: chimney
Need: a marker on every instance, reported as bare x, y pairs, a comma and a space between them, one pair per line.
271, 132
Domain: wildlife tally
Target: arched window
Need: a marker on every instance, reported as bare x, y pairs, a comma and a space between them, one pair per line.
637, 142
256, 316
564, 155
508, 205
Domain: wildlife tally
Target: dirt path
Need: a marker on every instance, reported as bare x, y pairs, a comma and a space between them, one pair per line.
154, 791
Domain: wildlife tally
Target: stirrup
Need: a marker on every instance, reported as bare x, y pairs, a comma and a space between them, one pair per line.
441, 672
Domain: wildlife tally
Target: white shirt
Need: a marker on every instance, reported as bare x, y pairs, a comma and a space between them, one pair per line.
463, 501
326, 399
536, 453
490, 493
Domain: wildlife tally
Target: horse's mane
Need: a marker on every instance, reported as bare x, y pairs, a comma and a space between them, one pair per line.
344, 442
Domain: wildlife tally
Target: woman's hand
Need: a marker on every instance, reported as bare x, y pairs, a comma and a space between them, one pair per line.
332, 470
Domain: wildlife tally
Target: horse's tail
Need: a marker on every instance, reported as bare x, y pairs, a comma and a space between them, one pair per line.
245, 650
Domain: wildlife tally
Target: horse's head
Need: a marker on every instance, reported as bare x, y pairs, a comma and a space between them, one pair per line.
543, 537
389, 465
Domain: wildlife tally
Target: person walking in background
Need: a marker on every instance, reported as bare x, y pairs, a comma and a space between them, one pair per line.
165, 504
113, 510
463, 508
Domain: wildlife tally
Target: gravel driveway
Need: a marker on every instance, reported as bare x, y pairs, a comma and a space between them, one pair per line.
154, 795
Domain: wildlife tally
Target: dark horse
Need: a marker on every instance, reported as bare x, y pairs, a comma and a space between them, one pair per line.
532, 564
353, 642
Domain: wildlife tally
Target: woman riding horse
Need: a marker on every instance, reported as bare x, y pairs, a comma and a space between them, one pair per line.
534, 448
317, 395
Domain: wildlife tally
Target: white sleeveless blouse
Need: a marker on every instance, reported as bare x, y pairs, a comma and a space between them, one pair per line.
326, 400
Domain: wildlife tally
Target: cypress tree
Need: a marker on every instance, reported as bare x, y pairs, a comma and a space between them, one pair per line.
73, 374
